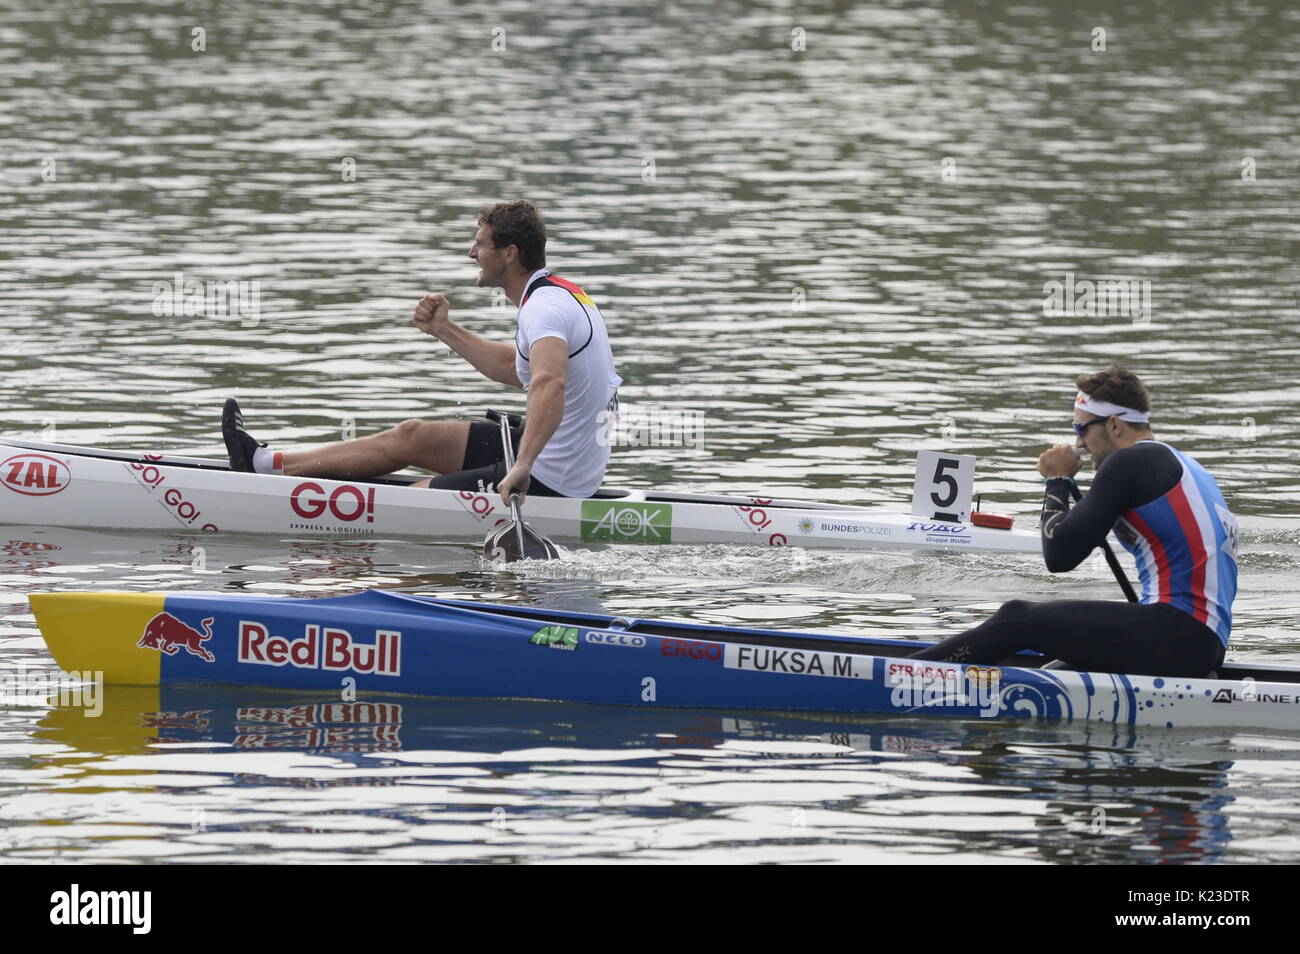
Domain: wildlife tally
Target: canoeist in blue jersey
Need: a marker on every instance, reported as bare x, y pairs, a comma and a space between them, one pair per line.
560, 355
1166, 510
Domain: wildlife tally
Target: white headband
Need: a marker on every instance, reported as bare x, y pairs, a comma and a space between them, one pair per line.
1106, 409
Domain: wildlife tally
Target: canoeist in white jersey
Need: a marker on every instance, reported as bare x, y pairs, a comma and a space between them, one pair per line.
561, 356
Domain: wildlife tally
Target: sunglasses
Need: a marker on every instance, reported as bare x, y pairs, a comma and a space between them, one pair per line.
1081, 428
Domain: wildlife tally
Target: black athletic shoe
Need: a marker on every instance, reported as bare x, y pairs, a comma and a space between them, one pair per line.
239, 444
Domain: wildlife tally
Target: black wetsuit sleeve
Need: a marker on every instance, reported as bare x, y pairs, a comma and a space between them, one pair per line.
1129, 477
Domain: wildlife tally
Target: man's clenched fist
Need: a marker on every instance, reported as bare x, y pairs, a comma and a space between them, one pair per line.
431, 313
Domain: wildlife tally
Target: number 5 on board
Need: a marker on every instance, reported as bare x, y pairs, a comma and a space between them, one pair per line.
943, 486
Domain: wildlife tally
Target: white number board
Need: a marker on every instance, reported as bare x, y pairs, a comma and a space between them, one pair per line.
943, 486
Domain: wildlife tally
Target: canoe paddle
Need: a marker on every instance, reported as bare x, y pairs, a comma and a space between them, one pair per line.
1111, 560
515, 540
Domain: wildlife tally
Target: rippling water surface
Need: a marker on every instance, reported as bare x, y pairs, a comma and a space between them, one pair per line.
827, 227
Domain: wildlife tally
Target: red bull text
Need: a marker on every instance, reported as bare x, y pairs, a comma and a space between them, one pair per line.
326, 647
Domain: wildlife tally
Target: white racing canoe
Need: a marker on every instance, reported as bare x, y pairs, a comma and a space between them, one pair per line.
61, 485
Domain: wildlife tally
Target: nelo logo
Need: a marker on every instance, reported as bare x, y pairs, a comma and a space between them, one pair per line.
346, 502
616, 639
36, 475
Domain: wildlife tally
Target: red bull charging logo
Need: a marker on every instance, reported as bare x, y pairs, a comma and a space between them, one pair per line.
169, 635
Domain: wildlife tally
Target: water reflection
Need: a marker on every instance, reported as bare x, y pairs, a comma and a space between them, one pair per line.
489, 779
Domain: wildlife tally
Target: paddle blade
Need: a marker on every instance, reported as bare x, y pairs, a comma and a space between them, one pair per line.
503, 544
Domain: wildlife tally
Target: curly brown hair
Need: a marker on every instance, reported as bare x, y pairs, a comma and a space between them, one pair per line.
518, 224
1118, 385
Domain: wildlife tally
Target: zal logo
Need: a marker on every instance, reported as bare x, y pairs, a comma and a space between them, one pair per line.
169, 635
36, 475
627, 522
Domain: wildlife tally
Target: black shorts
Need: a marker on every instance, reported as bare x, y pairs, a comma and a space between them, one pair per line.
485, 463
1140, 639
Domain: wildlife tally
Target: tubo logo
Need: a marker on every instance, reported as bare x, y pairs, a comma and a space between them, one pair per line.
556, 637
938, 527
627, 522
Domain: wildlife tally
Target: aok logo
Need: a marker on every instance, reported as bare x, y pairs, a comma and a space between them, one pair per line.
36, 475
346, 502
627, 522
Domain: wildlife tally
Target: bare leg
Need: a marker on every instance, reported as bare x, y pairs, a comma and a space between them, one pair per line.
438, 446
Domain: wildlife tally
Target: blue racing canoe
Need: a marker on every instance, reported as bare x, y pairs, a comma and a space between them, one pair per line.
392, 643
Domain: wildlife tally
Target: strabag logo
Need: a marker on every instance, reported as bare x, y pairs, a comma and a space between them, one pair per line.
322, 647
627, 522
169, 635
556, 637
35, 475
924, 685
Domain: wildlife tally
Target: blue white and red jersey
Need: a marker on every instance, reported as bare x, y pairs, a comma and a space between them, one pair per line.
1185, 544
1168, 512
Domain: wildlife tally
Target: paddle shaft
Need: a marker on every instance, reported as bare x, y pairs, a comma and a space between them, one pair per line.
514, 497
1111, 559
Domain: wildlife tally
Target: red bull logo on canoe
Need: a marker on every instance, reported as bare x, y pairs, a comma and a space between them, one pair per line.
321, 647
35, 475
169, 635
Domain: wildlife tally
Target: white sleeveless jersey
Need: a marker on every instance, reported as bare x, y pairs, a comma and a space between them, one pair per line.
573, 461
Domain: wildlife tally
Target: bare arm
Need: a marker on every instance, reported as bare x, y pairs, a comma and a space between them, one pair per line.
549, 359
495, 360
